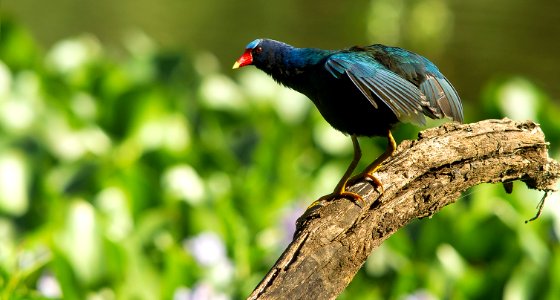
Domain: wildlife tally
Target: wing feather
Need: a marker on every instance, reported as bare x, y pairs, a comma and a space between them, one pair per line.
442, 100
377, 83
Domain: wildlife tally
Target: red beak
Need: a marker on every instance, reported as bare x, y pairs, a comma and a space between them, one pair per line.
244, 60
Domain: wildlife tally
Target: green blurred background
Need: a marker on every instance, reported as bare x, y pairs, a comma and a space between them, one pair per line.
134, 164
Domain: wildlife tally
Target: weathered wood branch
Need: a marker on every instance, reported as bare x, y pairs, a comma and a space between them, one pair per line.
334, 238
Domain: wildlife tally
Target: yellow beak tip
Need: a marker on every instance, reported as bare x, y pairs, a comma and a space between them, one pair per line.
235, 65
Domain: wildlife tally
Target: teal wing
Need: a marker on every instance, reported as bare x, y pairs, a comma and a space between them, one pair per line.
443, 99
377, 83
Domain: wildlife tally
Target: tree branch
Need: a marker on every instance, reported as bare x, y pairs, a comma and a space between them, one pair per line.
333, 239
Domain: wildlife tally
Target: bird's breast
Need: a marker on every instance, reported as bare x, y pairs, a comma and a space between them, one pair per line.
346, 109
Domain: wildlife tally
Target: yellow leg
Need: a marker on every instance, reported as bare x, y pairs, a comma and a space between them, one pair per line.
340, 189
374, 166
341, 186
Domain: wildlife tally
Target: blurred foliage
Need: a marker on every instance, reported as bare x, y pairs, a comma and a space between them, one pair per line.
151, 175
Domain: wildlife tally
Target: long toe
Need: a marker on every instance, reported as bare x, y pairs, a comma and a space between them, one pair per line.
354, 197
369, 177
376, 182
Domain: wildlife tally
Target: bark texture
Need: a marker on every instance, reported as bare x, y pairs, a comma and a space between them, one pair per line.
334, 238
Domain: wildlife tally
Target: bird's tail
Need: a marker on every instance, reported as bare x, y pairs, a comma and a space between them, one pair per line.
442, 99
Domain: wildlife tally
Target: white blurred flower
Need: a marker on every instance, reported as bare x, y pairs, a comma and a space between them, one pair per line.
69, 55
69, 144
518, 100
209, 251
182, 293
113, 202
48, 286
23, 103
17, 115
95, 140
80, 240
182, 181
13, 184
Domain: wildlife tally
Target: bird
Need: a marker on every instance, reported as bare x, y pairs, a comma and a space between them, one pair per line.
360, 91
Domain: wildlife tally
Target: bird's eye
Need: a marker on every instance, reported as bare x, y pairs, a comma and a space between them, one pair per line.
258, 50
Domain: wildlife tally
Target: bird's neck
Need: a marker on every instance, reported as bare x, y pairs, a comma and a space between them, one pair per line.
292, 66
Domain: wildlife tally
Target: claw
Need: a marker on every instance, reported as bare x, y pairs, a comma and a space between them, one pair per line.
376, 182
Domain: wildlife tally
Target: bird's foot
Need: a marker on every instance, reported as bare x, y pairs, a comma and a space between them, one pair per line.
312, 209
369, 177
354, 197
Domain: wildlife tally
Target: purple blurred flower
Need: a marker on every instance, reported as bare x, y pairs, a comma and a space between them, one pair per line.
201, 291
207, 248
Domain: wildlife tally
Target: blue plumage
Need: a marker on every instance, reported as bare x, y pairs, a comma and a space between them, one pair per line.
361, 91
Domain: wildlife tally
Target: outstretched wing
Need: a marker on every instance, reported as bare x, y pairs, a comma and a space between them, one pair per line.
376, 83
443, 99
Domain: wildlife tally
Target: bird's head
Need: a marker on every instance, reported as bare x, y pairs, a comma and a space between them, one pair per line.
253, 49
261, 53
